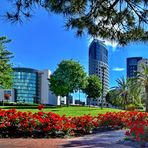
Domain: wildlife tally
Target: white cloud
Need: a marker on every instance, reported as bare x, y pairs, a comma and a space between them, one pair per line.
118, 69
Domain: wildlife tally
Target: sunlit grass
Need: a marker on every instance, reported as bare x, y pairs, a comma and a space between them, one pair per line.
68, 111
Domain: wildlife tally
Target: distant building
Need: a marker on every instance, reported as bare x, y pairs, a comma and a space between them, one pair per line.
71, 99
142, 62
27, 83
132, 66
79, 102
31, 86
98, 65
97, 102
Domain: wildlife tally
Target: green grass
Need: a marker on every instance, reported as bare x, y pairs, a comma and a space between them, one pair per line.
68, 111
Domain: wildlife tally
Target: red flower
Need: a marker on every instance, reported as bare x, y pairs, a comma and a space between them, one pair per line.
127, 133
40, 107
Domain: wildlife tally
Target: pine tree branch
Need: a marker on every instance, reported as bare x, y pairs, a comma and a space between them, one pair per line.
132, 7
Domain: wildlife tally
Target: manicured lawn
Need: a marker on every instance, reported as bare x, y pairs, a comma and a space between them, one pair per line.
68, 111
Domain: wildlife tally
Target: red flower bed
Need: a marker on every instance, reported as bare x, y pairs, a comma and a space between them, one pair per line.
138, 126
25, 124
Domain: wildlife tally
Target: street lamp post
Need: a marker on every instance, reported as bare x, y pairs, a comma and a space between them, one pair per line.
79, 97
103, 69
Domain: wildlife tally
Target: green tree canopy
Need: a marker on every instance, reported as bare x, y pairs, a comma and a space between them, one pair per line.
69, 77
117, 20
112, 97
5, 65
93, 87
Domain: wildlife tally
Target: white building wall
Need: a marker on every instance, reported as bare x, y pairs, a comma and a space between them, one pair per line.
62, 99
45, 86
47, 96
53, 99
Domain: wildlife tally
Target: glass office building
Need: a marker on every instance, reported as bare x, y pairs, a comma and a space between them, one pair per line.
98, 52
98, 59
132, 66
98, 64
31, 86
27, 83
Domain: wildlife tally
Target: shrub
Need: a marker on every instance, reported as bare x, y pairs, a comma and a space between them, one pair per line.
137, 125
134, 107
14, 123
17, 104
84, 124
112, 120
40, 107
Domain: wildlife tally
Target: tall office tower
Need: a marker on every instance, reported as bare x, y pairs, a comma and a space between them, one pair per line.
98, 64
132, 66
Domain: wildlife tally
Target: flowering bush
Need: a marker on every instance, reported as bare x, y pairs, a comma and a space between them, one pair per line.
113, 120
26, 124
138, 126
40, 107
84, 124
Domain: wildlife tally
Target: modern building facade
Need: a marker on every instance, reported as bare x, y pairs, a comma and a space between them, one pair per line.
132, 66
32, 86
27, 83
98, 65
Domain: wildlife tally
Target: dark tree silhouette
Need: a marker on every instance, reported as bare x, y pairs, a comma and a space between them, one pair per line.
123, 21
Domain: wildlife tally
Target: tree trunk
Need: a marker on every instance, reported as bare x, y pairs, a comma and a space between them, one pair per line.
2, 102
79, 97
60, 101
67, 101
89, 102
125, 101
146, 92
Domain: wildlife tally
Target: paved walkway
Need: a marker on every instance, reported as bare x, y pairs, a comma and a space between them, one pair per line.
99, 140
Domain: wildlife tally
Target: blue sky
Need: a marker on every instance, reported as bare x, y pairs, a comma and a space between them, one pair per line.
43, 42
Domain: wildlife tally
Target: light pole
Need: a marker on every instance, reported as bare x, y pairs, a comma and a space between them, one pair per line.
103, 69
79, 97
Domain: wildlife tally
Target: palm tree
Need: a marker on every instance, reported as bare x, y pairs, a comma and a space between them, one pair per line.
123, 88
127, 92
135, 92
143, 80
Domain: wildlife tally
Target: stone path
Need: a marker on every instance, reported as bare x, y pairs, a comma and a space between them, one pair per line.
99, 140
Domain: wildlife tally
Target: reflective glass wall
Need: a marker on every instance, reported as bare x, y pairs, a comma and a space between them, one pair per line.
26, 83
98, 51
132, 66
